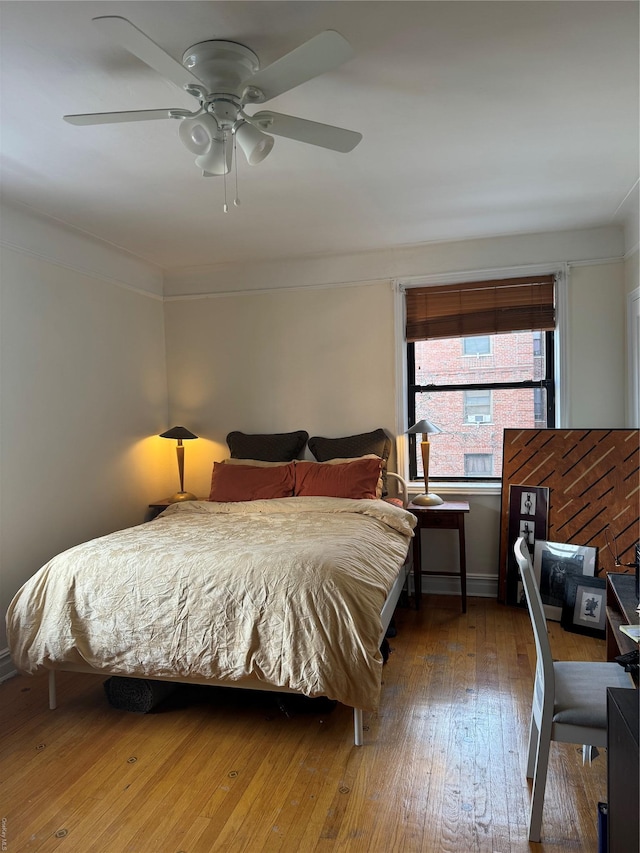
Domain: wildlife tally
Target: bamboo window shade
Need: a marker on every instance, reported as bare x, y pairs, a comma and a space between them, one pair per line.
480, 308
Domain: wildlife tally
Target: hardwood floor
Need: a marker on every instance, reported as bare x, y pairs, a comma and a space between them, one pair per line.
442, 768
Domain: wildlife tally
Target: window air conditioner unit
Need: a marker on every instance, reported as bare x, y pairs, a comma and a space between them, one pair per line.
479, 419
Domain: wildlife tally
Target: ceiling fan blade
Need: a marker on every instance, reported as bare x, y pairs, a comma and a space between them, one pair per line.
124, 33
110, 118
311, 132
322, 53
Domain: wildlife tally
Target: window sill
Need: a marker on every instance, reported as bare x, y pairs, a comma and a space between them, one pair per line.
445, 488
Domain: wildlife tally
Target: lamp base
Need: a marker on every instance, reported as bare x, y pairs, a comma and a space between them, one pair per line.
181, 496
427, 500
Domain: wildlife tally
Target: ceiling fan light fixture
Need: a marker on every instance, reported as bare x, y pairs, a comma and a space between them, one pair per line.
196, 134
255, 144
217, 159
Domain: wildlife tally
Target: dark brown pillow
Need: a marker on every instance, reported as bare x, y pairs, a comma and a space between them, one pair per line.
267, 447
377, 442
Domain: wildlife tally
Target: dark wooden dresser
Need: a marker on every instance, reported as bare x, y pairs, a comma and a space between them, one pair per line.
623, 770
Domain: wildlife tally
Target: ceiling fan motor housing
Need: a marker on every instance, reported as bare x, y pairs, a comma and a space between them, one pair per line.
223, 66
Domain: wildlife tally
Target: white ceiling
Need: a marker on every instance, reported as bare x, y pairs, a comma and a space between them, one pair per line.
479, 119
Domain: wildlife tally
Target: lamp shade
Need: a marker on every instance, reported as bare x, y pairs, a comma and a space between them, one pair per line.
217, 160
425, 427
177, 432
196, 134
254, 143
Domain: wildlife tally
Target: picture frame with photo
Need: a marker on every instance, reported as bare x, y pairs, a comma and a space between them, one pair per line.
528, 517
556, 562
584, 610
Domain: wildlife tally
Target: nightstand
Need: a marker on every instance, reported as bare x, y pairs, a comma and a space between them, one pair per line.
446, 516
156, 507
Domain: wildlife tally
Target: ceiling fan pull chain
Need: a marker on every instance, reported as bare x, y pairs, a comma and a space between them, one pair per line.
225, 206
236, 200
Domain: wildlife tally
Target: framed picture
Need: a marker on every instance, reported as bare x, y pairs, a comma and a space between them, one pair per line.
528, 511
584, 608
553, 564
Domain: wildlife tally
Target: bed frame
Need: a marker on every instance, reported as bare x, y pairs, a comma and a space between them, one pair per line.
253, 683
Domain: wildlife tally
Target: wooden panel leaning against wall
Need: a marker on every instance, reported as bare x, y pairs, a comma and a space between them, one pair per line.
594, 492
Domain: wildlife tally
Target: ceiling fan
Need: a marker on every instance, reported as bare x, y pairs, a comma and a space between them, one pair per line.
225, 77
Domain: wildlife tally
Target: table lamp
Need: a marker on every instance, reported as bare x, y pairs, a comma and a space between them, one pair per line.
427, 429
180, 434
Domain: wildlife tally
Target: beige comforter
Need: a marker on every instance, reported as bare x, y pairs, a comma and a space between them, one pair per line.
286, 591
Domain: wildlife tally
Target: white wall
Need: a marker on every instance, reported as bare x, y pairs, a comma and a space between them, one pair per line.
310, 345
632, 271
83, 386
402, 262
321, 360
632, 279
596, 352
629, 216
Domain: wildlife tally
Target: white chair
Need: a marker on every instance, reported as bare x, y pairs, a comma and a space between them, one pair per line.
569, 697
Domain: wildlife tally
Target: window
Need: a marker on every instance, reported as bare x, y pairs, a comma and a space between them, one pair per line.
477, 407
478, 464
477, 345
474, 399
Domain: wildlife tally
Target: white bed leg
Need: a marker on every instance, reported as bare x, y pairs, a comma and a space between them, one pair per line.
53, 704
358, 731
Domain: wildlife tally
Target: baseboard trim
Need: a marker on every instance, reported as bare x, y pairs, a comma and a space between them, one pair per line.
7, 667
478, 586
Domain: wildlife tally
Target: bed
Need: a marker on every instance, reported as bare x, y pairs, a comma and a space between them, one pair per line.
290, 594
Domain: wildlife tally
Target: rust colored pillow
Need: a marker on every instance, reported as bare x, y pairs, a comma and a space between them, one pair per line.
376, 441
248, 483
357, 479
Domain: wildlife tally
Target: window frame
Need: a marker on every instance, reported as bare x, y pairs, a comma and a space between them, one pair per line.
548, 383
562, 412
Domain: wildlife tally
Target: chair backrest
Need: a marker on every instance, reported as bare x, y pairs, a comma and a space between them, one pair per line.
544, 669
